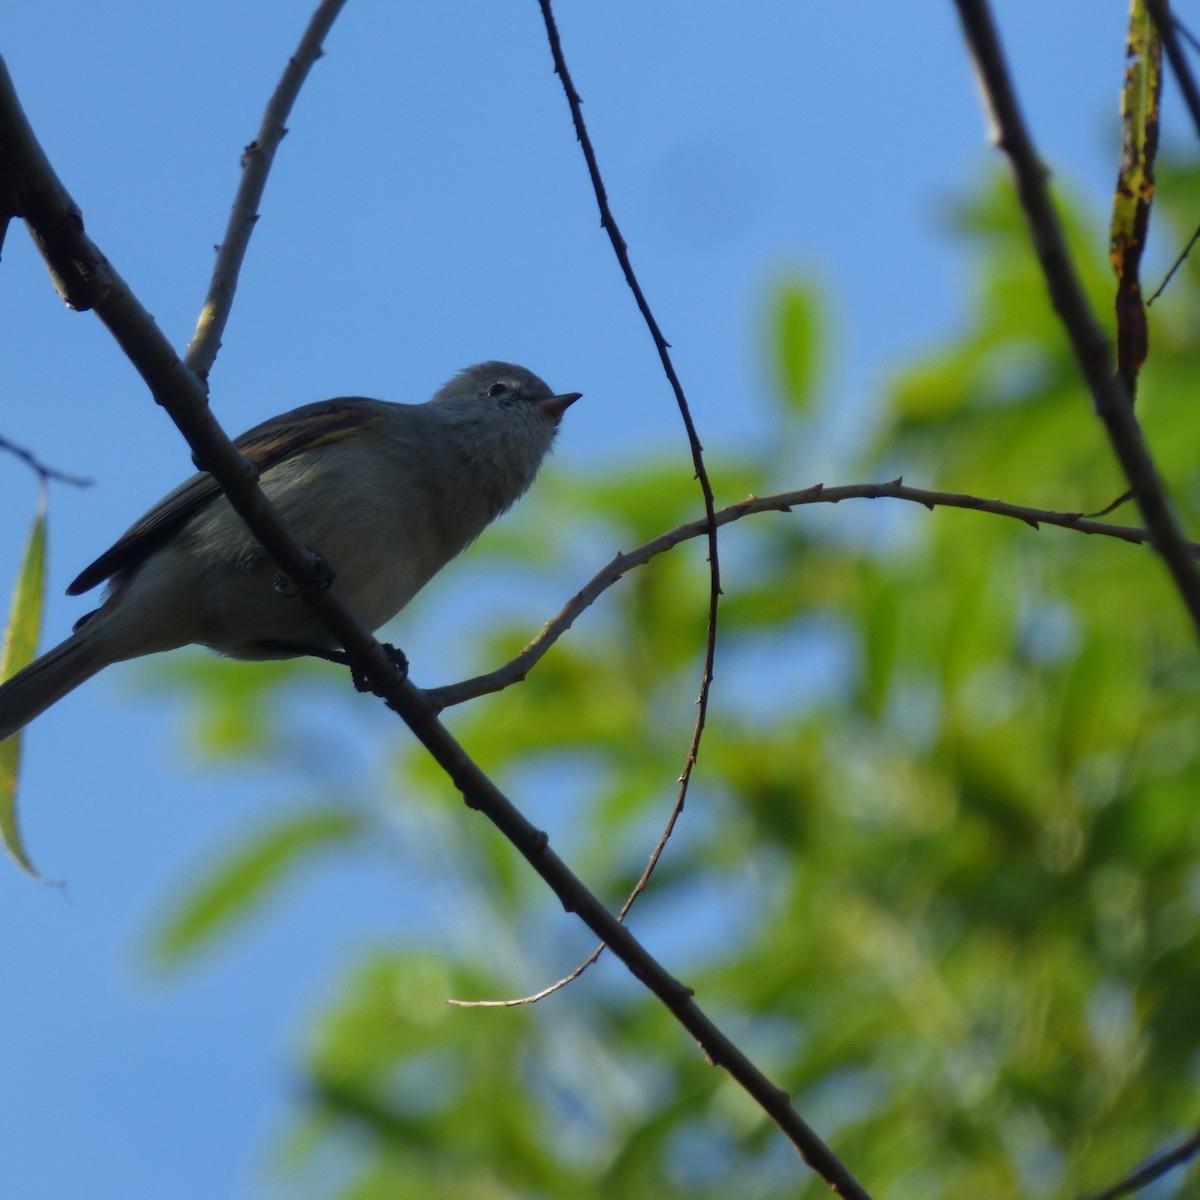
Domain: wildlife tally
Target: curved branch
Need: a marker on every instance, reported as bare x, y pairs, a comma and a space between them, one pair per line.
517, 668
621, 250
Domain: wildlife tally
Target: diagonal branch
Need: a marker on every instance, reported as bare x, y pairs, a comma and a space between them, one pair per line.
256, 163
1160, 14
181, 393
1156, 1168
1087, 338
519, 667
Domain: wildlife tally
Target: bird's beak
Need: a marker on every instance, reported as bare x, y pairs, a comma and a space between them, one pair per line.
555, 406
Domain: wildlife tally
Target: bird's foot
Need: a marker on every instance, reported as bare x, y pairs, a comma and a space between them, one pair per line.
320, 578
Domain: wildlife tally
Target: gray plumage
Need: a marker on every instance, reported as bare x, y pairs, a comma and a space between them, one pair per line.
389, 493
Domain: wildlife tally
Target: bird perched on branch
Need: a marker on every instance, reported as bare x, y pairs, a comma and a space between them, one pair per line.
386, 493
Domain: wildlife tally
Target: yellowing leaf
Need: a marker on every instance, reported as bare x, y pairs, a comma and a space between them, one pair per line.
20, 645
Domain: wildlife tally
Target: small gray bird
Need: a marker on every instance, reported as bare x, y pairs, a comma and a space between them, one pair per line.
388, 493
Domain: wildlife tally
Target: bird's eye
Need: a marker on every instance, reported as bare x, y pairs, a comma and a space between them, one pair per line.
498, 389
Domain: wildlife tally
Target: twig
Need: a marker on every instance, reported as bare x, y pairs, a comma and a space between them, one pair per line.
519, 667
1188, 35
44, 473
181, 393
1168, 29
1162, 287
1070, 302
1152, 1170
256, 163
621, 250
1160, 14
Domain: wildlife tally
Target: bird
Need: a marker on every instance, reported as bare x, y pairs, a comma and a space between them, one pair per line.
386, 493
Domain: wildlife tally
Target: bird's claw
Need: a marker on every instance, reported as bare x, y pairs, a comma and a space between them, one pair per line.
320, 578
397, 658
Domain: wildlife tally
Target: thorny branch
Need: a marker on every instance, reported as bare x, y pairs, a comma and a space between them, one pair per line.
519, 667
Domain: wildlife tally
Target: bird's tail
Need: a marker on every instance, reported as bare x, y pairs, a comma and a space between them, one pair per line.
31, 691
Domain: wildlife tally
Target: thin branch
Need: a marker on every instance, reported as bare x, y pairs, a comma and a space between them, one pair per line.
519, 667
45, 473
1188, 35
1162, 287
181, 393
1087, 338
1152, 1170
1160, 14
637, 890
1168, 30
256, 163
621, 250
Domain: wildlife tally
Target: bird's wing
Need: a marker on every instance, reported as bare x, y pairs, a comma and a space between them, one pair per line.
266, 445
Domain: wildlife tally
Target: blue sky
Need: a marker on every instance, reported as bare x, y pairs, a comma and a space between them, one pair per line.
428, 209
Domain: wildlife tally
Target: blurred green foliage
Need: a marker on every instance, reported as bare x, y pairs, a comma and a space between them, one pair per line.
940, 870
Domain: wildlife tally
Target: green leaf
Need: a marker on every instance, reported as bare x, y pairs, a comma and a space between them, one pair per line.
20, 645
243, 880
797, 338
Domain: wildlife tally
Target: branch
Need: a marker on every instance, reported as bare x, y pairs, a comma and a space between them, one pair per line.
1087, 338
43, 471
256, 163
516, 669
1160, 14
1152, 1170
181, 393
519, 667
621, 250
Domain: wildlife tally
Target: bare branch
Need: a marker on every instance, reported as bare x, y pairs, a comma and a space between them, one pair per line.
1154, 1169
181, 393
45, 473
256, 163
1169, 29
621, 250
1179, 261
1160, 13
1092, 352
519, 667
